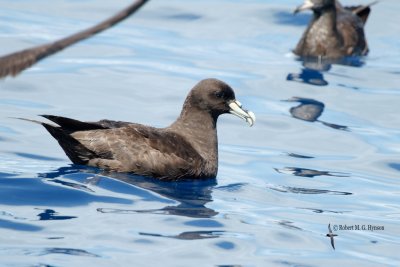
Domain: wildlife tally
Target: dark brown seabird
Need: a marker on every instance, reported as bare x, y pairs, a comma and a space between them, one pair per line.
187, 149
13, 64
334, 31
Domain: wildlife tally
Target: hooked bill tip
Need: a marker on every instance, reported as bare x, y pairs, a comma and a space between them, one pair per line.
251, 119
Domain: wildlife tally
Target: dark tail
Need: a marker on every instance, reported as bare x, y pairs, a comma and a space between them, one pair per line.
72, 125
362, 11
75, 151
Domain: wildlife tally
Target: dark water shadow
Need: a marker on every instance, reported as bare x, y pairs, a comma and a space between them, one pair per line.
174, 14
289, 225
43, 192
7, 175
191, 195
17, 226
36, 156
310, 110
395, 166
324, 211
352, 87
191, 235
309, 173
184, 16
4, 139
65, 251
231, 187
307, 191
295, 155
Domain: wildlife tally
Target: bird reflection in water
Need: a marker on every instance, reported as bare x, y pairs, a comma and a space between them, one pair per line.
309, 76
310, 110
192, 196
48, 214
313, 69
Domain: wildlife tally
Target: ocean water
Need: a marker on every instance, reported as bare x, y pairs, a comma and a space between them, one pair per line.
324, 149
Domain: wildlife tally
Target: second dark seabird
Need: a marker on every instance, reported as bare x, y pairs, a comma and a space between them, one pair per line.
334, 32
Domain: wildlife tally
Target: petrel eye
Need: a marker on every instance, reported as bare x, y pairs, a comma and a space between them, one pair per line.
219, 94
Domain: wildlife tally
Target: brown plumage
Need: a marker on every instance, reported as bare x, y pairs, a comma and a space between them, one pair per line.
186, 149
15, 63
334, 31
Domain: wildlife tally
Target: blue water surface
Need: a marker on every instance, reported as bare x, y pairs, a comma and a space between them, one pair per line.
280, 183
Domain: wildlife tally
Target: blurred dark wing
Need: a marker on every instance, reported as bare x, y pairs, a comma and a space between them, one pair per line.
15, 63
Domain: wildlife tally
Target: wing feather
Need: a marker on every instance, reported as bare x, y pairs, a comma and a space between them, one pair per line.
141, 150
